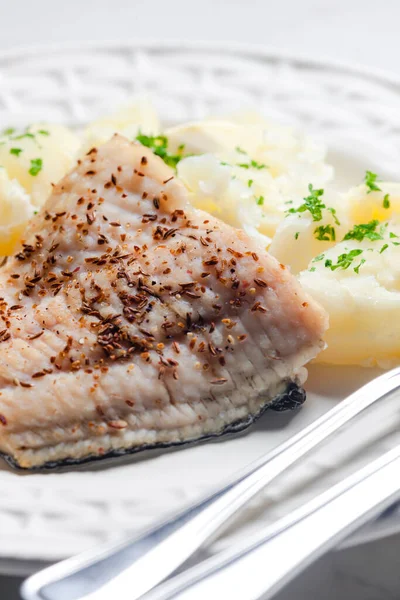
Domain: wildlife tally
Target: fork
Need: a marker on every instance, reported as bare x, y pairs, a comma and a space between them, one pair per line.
281, 551
129, 569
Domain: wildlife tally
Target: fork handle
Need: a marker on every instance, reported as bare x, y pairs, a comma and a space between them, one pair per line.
265, 566
129, 569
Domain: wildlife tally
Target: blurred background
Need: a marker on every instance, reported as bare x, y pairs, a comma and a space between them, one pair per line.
364, 32
361, 31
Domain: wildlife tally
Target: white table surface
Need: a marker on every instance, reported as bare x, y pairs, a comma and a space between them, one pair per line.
365, 32
361, 31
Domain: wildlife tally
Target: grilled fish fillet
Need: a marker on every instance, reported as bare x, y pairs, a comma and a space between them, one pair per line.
132, 320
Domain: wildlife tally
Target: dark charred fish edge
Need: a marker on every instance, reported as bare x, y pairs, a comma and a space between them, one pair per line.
291, 399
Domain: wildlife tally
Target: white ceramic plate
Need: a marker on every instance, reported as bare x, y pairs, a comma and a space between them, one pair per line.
44, 517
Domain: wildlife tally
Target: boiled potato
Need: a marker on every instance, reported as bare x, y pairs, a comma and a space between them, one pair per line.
364, 205
359, 286
299, 237
15, 211
264, 168
138, 117
37, 157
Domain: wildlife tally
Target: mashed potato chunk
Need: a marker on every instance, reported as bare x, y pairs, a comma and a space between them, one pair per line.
31, 161
263, 167
308, 229
358, 283
138, 117
15, 211
37, 157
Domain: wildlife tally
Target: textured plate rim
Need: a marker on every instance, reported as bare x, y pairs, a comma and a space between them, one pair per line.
247, 50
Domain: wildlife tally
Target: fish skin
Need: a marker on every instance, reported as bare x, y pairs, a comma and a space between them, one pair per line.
114, 339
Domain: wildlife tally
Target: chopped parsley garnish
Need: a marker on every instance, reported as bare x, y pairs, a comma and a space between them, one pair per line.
370, 180
12, 135
344, 260
312, 203
159, 145
252, 164
296, 235
318, 258
260, 200
240, 150
360, 264
386, 201
325, 233
24, 135
394, 236
333, 212
15, 151
257, 165
250, 182
383, 248
365, 230
312, 269
36, 166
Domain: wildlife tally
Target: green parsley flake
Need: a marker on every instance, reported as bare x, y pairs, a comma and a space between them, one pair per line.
11, 133
15, 151
365, 230
240, 150
36, 166
159, 145
312, 269
370, 180
357, 268
396, 243
386, 201
260, 200
393, 235
318, 258
24, 135
257, 165
296, 235
333, 212
312, 203
250, 182
252, 164
344, 260
383, 248
325, 233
